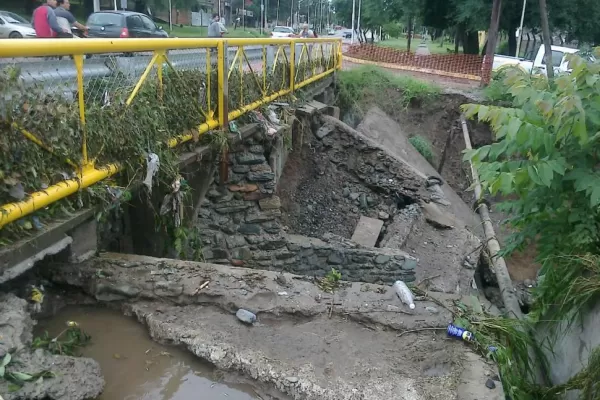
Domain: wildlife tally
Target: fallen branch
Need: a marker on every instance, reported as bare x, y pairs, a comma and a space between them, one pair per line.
428, 279
507, 291
205, 284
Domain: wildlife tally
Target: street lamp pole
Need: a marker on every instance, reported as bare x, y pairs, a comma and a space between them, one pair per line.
170, 17
353, 16
521, 28
358, 22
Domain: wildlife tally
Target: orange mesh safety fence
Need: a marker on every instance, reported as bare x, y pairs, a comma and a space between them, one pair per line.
464, 64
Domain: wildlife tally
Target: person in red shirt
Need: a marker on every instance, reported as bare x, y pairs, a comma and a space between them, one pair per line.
44, 21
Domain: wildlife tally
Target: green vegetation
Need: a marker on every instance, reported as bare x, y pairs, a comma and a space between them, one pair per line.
202, 31
438, 46
331, 281
16, 379
545, 160
423, 146
66, 343
464, 19
497, 91
115, 133
366, 86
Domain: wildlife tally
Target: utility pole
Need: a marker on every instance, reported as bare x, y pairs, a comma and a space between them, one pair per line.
491, 41
547, 39
170, 16
353, 16
243, 15
358, 22
262, 15
277, 14
292, 14
521, 28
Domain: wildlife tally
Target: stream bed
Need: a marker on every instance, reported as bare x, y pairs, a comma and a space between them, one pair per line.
136, 368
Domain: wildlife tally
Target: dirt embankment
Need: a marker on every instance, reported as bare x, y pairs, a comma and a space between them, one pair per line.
438, 121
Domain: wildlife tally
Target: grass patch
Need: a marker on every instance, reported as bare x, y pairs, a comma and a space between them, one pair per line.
437, 47
367, 85
202, 32
423, 146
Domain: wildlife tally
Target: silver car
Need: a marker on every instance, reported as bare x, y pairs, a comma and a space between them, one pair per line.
14, 26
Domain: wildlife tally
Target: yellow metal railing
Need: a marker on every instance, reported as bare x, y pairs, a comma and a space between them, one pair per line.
269, 54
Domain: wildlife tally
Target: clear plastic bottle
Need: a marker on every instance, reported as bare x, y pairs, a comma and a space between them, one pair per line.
404, 294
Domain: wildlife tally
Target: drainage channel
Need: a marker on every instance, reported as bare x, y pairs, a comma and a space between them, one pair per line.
135, 367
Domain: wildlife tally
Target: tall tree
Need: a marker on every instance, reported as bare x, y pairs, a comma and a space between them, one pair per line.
547, 42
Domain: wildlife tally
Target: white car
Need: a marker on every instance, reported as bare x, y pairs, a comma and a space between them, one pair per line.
14, 26
282, 32
537, 65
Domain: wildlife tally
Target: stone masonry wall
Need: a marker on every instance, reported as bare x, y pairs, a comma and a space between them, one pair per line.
240, 224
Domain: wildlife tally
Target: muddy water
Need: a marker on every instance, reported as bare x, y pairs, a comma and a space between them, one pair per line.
136, 368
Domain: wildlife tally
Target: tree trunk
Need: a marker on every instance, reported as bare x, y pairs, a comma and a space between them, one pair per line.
484, 48
547, 39
409, 33
492, 39
471, 43
456, 43
512, 43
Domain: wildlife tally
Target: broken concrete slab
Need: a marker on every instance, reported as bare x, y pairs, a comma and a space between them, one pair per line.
378, 126
398, 231
367, 231
307, 343
438, 218
323, 131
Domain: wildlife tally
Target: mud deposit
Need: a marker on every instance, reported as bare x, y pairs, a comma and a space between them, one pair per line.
136, 368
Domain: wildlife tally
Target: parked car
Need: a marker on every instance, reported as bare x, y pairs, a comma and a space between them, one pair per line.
14, 26
347, 35
331, 32
538, 65
123, 24
282, 32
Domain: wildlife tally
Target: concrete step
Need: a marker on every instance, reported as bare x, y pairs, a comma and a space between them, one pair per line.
367, 231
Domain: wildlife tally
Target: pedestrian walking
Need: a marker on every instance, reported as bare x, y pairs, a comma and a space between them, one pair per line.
214, 29
66, 19
44, 21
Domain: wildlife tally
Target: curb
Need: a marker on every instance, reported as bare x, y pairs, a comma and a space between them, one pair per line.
412, 69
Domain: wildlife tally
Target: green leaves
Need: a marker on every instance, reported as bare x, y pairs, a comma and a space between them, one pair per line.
546, 153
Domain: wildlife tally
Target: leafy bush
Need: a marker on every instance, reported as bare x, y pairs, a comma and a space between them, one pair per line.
423, 146
547, 155
497, 91
393, 29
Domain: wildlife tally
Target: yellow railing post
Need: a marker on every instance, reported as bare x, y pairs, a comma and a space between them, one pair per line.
78, 60
223, 106
222, 72
159, 70
264, 69
292, 66
208, 81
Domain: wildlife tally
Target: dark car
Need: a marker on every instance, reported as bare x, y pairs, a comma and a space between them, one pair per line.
123, 24
348, 35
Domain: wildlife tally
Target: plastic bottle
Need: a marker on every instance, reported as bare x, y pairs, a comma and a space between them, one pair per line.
245, 316
404, 294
